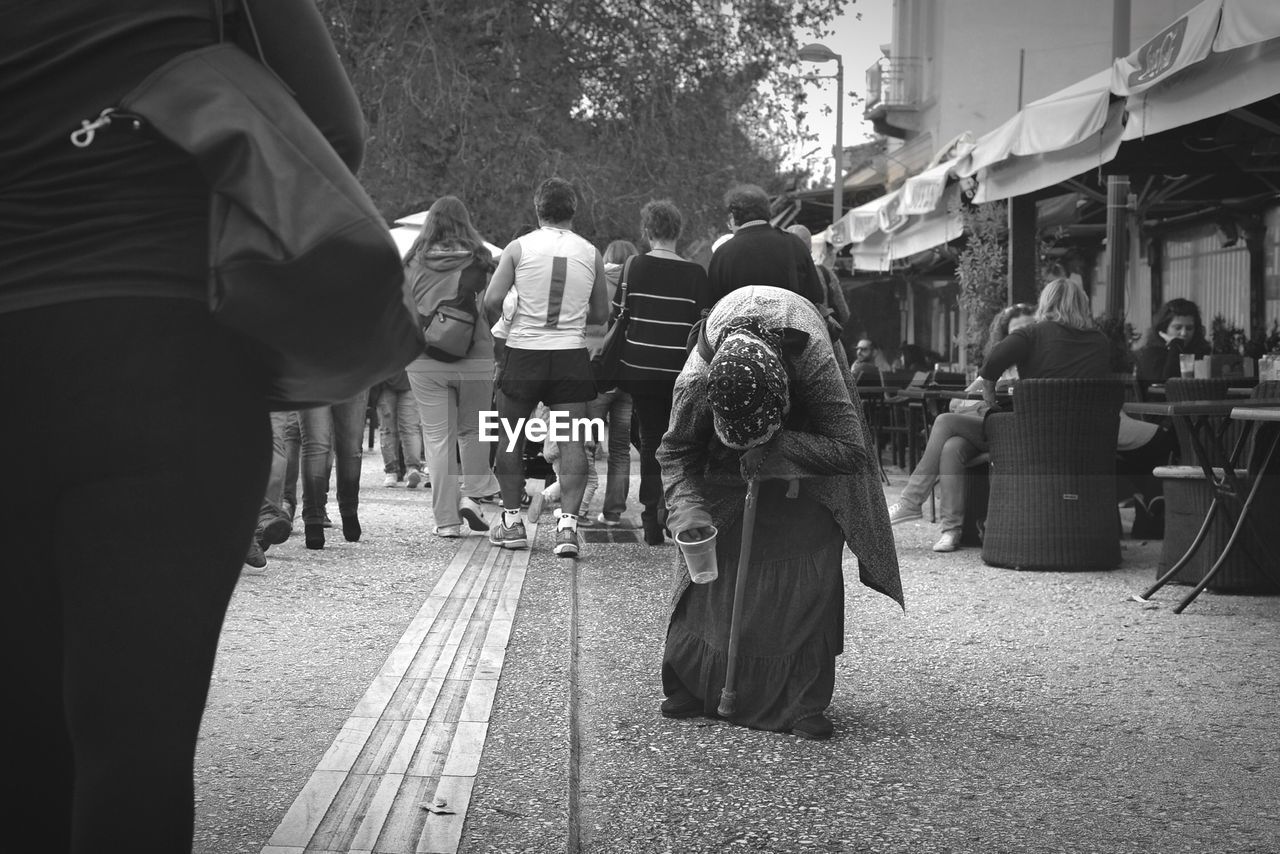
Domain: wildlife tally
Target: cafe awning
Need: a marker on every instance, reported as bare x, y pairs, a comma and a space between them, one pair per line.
908, 235
1220, 56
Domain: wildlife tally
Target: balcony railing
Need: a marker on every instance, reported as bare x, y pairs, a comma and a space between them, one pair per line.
895, 82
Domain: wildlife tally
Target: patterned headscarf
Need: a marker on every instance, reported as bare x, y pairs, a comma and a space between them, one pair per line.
747, 390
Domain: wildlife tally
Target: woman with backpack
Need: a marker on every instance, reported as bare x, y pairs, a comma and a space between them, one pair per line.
448, 268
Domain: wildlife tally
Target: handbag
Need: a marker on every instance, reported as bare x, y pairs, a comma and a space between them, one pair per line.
607, 364
300, 261
448, 331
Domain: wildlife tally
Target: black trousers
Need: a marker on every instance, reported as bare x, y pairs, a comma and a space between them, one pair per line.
653, 413
137, 450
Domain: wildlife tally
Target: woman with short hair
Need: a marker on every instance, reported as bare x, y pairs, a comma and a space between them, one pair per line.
666, 296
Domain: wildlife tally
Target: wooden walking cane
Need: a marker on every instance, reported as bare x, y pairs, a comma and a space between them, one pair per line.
729, 696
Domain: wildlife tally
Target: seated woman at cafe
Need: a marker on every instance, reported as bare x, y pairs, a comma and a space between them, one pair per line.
956, 438
1177, 329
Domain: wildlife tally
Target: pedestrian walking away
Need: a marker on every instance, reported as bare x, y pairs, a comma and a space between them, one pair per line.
449, 264
560, 286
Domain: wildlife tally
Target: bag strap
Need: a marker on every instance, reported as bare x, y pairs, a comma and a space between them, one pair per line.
626, 273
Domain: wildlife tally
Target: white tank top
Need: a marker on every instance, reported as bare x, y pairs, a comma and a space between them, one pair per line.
553, 279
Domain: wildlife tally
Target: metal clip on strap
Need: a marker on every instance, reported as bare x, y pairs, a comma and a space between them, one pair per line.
83, 138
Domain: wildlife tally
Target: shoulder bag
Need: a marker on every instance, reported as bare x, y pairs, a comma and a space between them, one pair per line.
607, 364
300, 261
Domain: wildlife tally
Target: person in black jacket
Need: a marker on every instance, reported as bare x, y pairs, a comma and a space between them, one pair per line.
759, 253
1177, 329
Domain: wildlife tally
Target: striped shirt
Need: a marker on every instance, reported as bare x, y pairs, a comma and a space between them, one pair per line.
666, 298
553, 281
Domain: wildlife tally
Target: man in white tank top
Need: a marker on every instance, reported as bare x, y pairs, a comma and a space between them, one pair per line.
560, 287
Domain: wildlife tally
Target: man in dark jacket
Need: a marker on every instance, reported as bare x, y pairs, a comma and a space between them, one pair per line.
760, 254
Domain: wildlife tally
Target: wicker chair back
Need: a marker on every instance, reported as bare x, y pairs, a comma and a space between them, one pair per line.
1053, 487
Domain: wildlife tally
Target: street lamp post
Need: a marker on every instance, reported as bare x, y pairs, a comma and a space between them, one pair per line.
821, 53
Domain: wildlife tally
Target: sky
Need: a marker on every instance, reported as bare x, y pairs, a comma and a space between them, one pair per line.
858, 43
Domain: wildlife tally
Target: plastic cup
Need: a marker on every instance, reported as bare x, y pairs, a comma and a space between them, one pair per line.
1187, 365
700, 555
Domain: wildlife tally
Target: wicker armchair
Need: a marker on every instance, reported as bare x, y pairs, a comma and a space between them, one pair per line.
1053, 486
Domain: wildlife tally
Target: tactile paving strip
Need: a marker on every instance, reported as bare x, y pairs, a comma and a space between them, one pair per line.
399, 774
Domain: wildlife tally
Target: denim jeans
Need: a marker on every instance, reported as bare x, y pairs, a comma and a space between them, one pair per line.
399, 430
956, 438
615, 407
118, 572
273, 502
338, 429
450, 396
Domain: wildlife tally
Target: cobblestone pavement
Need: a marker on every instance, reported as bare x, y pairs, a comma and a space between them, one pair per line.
1003, 712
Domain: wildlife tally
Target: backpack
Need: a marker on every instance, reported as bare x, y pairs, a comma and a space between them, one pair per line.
449, 330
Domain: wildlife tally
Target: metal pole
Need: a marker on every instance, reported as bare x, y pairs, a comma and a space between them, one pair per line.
1022, 68
837, 192
1118, 188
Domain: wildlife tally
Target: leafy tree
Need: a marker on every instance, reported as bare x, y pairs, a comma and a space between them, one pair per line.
629, 99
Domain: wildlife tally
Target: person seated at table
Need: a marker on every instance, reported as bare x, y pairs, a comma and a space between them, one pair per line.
956, 438
869, 363
1176, 329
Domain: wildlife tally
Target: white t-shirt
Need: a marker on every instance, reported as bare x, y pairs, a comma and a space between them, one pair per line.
554, 279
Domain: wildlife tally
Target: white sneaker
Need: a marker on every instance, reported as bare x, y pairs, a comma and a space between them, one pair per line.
391, 481
414, 477
948, 542
903, 512
450, 531
471, 513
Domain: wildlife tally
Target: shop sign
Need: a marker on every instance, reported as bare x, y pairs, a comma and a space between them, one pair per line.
1158, 55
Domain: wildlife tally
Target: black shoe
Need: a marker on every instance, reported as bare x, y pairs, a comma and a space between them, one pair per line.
255, 558
814, 728
275, 532
653, 532
351, 528
314, 534
681, 706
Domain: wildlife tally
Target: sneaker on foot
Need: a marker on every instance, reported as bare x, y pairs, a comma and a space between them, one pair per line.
610, 519
391, 481
566, 542
471, 513
903, 512
585, 521
449, 531
948, 542
414, 478
512, 537
328, 523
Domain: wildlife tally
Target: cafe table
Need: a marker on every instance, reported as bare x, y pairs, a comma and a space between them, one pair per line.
1208, 423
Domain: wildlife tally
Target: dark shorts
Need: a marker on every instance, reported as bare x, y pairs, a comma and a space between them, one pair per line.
551, 376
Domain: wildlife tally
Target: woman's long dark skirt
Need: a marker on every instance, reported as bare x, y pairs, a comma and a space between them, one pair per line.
792, 617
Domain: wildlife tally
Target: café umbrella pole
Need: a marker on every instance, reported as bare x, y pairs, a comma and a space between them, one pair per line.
729, 695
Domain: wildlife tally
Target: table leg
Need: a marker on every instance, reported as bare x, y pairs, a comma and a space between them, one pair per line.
1235, 531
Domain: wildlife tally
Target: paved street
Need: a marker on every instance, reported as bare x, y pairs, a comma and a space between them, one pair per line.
359, 686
